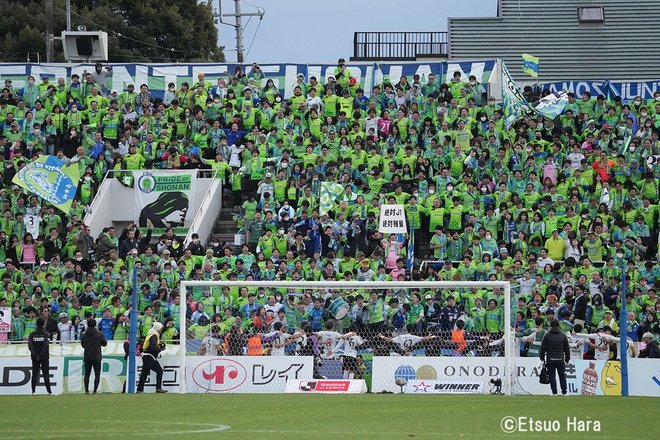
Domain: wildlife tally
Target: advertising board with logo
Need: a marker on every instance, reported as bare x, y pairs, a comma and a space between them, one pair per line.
16, 376
113, 374
258, 374
418, 386
455, 370
327, 386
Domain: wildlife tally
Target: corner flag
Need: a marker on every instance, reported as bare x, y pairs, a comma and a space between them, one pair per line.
530, 65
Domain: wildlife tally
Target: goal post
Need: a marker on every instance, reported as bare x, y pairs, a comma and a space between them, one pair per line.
328, 290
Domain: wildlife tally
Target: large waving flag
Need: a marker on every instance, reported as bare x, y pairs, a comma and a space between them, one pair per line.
530, 65
51, 179
513, 102
329, 193
552, 105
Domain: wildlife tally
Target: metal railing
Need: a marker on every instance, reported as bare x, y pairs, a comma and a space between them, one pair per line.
398, 46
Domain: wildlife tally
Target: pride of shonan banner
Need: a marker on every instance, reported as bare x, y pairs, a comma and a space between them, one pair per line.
164, 198
51, 179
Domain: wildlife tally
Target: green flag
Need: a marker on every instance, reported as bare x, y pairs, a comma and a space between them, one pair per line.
530, 65
329, 192
51, 179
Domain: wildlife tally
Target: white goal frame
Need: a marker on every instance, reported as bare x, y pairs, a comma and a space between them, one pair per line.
508, 362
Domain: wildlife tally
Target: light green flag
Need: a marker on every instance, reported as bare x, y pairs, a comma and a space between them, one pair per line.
51, 179
530, 65
329, 193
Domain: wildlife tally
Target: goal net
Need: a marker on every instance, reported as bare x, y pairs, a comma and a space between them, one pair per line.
254, 336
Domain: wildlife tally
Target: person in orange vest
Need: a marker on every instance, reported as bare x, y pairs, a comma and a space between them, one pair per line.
458, 337
254, 345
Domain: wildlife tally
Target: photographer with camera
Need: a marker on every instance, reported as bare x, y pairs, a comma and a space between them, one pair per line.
151, 349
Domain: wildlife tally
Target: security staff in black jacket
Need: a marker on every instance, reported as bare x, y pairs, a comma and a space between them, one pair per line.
38, 345
92, 341
556, 353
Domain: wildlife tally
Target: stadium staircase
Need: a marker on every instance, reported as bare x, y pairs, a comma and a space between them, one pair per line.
225, 226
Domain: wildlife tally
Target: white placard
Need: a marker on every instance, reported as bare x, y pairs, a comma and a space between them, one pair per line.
392, 220
5, 319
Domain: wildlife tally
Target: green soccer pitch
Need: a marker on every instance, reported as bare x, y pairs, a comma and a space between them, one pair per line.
292, 417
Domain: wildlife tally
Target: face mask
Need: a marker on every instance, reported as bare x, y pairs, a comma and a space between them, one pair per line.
431, 191
31, 82
280, 231
285, 164
638, 102
87, 178
644, 113
217, 101
540, 125
472, 83
74, 110
450, 188
278, 99
619, 255
488, 237
483, 119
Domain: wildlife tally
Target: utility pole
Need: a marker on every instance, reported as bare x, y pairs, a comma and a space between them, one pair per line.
238, 24
68, 15
50, 41
239, 32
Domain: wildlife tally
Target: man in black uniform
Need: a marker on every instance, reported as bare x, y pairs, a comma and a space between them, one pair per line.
556, 353
92, 341
151, 349
38, 345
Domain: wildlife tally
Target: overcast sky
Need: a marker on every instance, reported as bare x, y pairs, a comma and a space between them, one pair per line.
312, 31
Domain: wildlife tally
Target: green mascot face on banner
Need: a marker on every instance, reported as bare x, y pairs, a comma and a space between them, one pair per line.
167, 211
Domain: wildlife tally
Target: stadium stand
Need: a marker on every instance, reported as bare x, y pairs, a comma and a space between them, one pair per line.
558, 207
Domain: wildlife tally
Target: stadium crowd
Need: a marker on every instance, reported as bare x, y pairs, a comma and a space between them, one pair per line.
562, 208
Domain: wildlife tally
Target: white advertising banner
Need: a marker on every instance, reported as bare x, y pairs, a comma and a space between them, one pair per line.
326, 386
456, 370
421, 386
114, 371
644, 377
16, 376
249, 374
164, 198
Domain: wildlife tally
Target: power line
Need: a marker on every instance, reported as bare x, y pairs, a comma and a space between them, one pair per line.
253, 38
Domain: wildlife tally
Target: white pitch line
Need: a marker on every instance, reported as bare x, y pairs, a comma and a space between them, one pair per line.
110, 433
